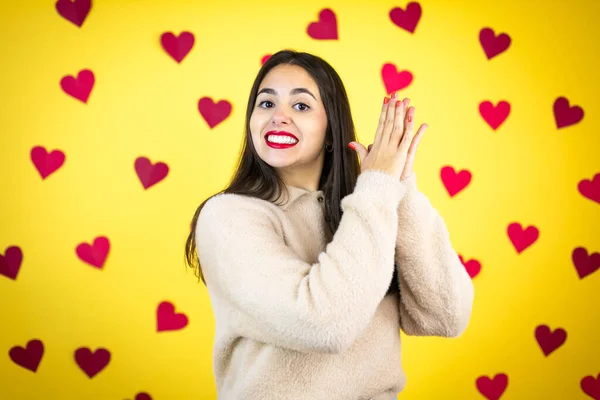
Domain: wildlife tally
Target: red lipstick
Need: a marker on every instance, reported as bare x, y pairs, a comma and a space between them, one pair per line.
280, 145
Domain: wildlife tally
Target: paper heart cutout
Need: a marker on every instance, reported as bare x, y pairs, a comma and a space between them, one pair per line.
520, 238
585, 264
74, 11
80, 87
455, 182
564, 114
90, 362
264, 59
549, 340
492, 389
143, 396
325, 28
10, 262
167, 319
95, 255
178, 47
590, 188
473, 267
407, 19
494, 115
493, 45
213, 113
46, 162
591, 386
28, 357
394, 80
150, 174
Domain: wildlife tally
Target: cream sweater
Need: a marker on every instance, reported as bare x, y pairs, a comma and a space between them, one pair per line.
301, 315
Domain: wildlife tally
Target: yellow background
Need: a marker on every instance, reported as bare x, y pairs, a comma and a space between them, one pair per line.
145, 104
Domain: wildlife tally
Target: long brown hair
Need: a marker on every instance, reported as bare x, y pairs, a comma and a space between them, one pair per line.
256, 178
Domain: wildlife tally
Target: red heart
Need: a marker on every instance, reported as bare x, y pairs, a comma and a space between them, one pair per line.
213, 113
494, 115
492, 389
590, 188
591, 386
10, 262
265, 58
167, 319
565, 115
473, 267
394, 80
143, 396
30, 357
177, 47
585, 264
408, 19
92, 363
549, 340
46, 163
81, 87
74, 11
96, 254
522, 239
325, 28
148, 173
492, 44
455, 182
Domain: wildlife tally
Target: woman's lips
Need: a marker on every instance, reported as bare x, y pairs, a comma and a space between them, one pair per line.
280, 145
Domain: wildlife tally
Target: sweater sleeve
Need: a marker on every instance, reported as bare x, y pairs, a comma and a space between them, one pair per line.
274, 297
436, 292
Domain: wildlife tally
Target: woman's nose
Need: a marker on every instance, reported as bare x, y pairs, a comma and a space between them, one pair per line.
280, 116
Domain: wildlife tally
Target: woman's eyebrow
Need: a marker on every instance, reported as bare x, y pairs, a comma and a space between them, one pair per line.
293, 91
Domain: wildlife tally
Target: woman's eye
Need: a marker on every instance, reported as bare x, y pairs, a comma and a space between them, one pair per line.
263, 102
303, 105
269, 104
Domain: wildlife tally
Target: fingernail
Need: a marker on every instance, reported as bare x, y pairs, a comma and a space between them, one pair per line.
394, 95
398, 104
386, 100
352, 146
410, 118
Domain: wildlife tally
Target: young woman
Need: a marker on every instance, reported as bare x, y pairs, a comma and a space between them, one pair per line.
315, 259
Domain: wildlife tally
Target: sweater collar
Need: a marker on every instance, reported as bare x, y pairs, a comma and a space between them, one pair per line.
296, 193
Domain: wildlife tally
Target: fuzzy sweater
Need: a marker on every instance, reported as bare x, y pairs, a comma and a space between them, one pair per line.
302, 314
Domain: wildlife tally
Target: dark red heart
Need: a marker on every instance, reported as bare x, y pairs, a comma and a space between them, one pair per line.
455, 182
494, 115
148, 173
520, 238
74, 11
167, 319
95, 254
90, 362
29, 357
10, 262
325, 28
473, 267
407, 19
591, 386
492, 389
585, 264
80, 87
178, 47
394, 80
46, 163
564, 114
493, 45
549, 340
265, 58
590, 188
213, 113
143, 396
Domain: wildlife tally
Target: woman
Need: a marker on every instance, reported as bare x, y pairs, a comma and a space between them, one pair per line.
313, 259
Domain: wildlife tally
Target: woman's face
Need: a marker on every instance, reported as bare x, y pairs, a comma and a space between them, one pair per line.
289, 102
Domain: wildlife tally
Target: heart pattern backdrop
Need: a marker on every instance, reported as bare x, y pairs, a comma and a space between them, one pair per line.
555, 353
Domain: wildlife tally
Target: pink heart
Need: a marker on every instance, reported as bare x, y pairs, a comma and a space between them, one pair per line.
494, 115
492, 44
80, 87
92, 363
29, 357
96, 254
167, 319
46, 163
455, 182
549, 340
177, 47
264, 59
473, 267
408, 19
394, 80
591, 386
325, 28
585, 264
564, 114
148, 173
213, 113
590, 188
10, 262
492, 389
522, 239
74, 11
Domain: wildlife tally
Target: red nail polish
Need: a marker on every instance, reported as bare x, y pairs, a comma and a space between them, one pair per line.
398, 103
410, 118
386, 100
352, 146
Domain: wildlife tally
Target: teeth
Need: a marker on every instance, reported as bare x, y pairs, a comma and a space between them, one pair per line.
281, 139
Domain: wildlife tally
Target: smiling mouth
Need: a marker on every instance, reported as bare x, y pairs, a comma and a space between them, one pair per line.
280, 140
